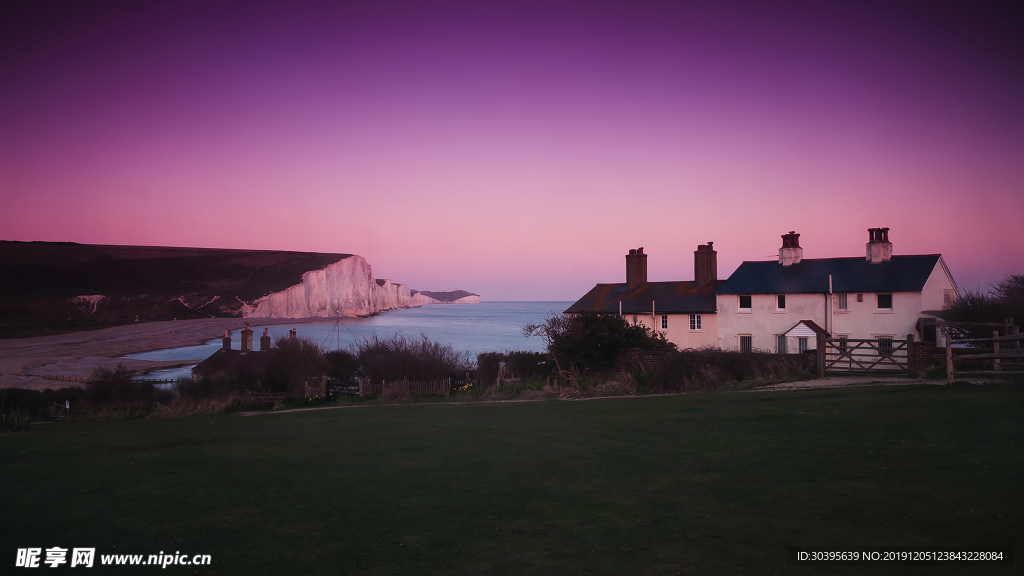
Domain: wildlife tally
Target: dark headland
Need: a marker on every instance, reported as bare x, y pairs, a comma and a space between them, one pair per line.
48, 287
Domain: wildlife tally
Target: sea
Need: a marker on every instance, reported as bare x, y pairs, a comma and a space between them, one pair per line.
472, 328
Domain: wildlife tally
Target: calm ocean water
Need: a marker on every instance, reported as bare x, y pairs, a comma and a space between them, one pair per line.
473, 328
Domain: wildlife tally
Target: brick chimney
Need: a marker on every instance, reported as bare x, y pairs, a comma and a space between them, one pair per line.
879, 249
791, 252
246, 339
705, 265
636, 268
226, 340
265, 341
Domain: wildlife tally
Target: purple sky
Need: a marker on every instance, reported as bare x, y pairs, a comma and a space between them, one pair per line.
518, 150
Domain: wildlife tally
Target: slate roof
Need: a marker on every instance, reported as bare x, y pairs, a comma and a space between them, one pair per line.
231, 363
810, 324
900, 274
668, 297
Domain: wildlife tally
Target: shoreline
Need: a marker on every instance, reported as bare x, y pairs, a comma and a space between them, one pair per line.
38, 362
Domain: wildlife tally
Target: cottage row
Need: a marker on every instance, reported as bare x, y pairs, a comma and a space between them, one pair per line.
781, 305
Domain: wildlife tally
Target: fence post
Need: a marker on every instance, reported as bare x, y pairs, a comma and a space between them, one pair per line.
911, 357
821, 355
996, 365
949, 358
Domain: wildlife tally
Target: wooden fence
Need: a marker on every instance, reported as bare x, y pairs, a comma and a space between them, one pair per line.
319, 389
405, 388
866, 355
264, 397
1006, 351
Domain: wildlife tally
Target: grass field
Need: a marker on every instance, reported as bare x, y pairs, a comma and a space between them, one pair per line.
702, 484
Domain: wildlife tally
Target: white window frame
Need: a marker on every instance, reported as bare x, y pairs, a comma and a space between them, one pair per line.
801, 344
739, 342
892, 341
777, 309
664, 321
695, 323
892, 299
739, 304
781, 346
843, 302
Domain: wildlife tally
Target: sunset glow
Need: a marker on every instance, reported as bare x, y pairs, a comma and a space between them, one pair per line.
517, 150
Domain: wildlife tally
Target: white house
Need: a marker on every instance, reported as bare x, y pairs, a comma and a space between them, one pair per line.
778, 305
684, 311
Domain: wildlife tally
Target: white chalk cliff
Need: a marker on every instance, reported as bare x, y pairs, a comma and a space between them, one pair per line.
345, 288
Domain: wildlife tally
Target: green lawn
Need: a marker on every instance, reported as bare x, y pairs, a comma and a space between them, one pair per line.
701, 484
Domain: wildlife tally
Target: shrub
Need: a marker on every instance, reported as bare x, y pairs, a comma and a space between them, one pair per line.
115, 389
522, 364
294, 361
1005, 300
487, 366
344, 366
403, 358
709, 368
591, 340
36, 403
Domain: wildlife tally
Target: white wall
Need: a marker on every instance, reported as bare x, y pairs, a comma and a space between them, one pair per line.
861, 320
679, 332
763, 322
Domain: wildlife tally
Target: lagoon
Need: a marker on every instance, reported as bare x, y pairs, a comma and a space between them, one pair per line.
472, 328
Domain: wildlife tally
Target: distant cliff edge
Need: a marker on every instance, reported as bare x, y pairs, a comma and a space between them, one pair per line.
453, 297
60, 286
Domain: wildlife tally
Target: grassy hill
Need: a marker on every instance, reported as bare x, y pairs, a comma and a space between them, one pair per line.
42, 283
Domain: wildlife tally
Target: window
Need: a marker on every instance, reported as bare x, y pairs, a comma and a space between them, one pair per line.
842, 302
948, 297
746, 343
885, 301
634, 318
885, 346
860, 297
745, 302
694, 321
780, 345
801, 344
664, 321
781, 302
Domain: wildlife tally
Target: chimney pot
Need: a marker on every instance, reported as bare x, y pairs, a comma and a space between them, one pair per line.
636, 268
791, 252
879, 248
705, 265
246, 339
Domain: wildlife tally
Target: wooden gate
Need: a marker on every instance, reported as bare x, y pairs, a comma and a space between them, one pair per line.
886, 355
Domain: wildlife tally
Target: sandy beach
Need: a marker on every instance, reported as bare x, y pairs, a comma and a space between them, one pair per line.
45, 361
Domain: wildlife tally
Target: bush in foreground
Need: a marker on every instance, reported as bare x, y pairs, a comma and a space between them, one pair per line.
116, 389
591, 340
402, 358
710, 368
521, 364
